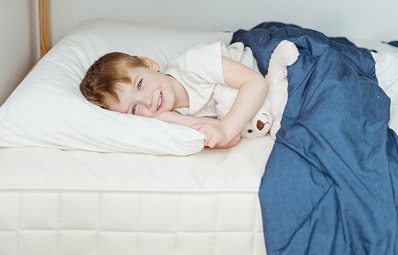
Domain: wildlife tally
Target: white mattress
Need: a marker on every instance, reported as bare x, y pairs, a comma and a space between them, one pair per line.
79, 202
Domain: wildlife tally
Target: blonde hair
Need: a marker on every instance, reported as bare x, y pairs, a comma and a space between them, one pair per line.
101, 78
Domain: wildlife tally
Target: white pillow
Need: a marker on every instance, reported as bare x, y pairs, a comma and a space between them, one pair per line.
48, 110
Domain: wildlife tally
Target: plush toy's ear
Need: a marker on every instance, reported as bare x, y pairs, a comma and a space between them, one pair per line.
264, 121
259, 125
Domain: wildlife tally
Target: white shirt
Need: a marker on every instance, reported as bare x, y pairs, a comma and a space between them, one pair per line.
199, 70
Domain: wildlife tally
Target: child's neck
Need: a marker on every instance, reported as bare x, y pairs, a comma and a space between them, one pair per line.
182, 98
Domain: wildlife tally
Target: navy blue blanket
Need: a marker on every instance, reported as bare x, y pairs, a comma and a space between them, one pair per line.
330, 185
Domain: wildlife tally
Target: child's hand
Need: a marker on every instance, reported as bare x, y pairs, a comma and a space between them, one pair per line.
216, 137
215, 133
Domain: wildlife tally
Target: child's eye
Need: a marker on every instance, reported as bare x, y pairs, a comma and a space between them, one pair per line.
133, 109
139, 85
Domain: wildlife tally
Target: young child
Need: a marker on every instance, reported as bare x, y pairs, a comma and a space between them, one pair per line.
182, 94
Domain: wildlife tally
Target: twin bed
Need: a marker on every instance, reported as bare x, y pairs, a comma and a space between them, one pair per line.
76, 179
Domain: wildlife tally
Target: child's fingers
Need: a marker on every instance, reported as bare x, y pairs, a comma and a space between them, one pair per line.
208, 130
211, 142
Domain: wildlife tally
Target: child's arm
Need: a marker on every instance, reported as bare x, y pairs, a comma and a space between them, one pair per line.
185, 120
252, 90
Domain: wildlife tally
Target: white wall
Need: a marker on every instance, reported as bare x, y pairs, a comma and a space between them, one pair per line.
365, 19
18, 43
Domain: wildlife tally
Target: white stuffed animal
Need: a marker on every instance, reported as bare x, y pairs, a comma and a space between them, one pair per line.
267, 120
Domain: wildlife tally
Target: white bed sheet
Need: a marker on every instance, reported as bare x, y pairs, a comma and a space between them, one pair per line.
236, 169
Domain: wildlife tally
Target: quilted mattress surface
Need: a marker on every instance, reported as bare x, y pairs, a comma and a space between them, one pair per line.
78, 202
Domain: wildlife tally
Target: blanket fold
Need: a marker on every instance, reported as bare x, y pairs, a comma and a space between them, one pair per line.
330, 184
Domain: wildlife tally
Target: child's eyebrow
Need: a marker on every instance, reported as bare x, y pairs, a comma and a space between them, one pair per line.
135, 80
133, 77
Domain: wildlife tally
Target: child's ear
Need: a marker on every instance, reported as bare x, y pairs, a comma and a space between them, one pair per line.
151, 63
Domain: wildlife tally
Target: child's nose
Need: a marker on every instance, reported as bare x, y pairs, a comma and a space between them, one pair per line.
147, 100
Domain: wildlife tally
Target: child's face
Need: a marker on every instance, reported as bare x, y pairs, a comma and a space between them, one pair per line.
149, 94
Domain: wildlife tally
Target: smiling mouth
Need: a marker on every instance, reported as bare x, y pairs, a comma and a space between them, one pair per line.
160, 101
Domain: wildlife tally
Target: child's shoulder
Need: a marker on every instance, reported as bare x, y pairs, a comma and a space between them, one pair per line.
199, 54
208, 48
